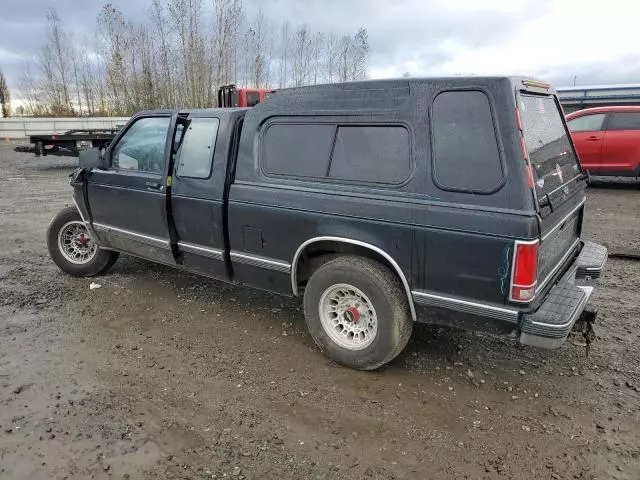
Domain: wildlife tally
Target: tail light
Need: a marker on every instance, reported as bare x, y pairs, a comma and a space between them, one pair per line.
524, 271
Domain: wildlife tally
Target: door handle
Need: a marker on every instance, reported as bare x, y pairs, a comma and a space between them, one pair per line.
593, 138
154, 186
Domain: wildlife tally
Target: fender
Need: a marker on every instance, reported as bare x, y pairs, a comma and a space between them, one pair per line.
389, 258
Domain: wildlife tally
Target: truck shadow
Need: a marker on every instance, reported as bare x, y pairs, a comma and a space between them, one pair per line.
614, 183
430, 344
54, 167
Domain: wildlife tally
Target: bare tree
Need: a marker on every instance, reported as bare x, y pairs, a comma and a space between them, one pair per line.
331, 58
178, 57
353, 55
87, 82
260, 27
5, 97
284, 55
360, 55
31, 94
227, 18
164, 59
302, 56
113, 45
317, 46
186, 18
55, 59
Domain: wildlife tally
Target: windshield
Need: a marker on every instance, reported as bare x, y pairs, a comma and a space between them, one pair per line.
552, 157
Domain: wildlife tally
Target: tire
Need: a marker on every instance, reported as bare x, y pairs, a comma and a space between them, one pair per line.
95, 263
347, 283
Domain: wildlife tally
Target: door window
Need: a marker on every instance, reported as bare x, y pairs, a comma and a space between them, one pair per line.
197, 144
588, 123
624, 121
142, 147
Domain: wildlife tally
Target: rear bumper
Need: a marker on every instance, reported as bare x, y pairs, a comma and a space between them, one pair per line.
550, 324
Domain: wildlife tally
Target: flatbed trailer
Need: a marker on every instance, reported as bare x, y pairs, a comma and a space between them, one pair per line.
71, 142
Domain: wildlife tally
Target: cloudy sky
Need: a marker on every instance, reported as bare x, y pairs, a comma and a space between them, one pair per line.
555, 40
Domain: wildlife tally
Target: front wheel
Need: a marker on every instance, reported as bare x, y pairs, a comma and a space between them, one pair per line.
357, 312
73, 250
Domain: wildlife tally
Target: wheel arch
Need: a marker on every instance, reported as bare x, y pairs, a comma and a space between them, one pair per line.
377, 252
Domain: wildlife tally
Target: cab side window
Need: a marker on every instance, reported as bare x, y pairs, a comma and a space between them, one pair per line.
588, 123
142, 147
197, 141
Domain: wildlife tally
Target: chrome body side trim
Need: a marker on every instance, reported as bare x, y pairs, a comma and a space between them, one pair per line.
296, 258
213, 253
155, 241
262, 262
564, 219
466, 306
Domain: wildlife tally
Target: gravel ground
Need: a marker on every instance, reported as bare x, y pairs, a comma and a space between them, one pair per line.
160, 374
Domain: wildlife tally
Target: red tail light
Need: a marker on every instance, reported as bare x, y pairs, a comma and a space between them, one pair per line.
53, 137
524, 272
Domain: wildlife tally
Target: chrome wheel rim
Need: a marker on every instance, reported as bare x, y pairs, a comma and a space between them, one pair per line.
348, 317
75, 243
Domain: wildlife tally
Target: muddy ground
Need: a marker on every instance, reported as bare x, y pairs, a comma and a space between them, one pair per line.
163, 375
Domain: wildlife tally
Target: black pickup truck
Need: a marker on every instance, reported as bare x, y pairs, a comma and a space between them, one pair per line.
456, 201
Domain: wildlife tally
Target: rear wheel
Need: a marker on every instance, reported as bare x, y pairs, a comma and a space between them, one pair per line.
73, 250
357, 312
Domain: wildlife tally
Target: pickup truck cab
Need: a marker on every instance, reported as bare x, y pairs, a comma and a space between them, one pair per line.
456, 201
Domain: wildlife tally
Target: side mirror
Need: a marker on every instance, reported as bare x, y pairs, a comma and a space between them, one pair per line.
93, 158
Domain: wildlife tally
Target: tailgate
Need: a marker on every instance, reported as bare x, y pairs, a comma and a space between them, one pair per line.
559, 244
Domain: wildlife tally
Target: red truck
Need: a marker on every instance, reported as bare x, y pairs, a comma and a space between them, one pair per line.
607, 140
229, 96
